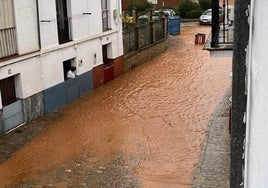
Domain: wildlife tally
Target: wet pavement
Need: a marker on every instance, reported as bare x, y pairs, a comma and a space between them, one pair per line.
213, 169
143, 129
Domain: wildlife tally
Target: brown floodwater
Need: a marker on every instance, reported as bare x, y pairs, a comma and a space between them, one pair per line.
156, 115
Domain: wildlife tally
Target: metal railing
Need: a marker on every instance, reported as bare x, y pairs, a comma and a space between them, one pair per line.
222, 30
8, 42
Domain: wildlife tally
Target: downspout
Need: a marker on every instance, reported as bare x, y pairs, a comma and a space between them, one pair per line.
249, 92
38, 24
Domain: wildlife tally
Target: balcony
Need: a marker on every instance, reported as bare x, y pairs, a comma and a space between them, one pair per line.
8, 42
220, 40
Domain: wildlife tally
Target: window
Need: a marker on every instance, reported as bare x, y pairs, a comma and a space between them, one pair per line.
104, 7
8, 38
62, 21
66, 67
8, 91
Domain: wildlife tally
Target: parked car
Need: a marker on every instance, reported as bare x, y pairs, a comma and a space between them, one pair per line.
206, 17
167, 11
155, 14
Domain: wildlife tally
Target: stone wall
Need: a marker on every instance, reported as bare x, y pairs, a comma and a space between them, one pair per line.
33, 107
136, 58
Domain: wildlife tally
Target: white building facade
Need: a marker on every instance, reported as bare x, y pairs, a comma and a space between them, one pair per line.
39, 42
256, 153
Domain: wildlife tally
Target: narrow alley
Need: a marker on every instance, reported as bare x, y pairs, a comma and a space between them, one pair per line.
144, 129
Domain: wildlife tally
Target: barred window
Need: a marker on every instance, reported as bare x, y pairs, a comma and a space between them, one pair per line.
104, 7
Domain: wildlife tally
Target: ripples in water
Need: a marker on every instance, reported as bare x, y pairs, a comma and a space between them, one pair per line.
156, 113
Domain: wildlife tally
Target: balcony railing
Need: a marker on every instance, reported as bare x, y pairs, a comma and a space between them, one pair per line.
8, 42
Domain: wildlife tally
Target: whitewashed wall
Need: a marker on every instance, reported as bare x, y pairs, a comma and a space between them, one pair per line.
28, 72
257, 155
85, 25
86, 52
44, 69
26, 25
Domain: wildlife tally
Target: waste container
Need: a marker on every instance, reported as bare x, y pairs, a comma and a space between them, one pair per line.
174, 24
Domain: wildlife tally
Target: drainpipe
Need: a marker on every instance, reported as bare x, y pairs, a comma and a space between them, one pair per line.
38, 24
249, 91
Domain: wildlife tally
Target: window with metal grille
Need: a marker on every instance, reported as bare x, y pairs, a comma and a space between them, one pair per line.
8, 91
105, 16
62, 21
8, 38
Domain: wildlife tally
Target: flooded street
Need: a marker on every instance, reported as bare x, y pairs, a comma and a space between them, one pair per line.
145, 129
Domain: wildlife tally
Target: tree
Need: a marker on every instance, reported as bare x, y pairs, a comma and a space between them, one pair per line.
205, 4
139, 6
189, 9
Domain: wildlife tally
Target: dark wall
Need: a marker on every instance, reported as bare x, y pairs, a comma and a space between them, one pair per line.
67, 91
241, 36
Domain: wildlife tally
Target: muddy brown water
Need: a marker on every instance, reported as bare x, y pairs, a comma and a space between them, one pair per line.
154, 115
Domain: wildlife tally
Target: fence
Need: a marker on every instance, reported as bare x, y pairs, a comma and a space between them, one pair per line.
143, 31
129, 39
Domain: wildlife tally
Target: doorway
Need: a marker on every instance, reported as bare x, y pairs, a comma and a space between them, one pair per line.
12, 107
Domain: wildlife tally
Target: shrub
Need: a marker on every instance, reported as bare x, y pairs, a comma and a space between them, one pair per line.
139, 6
205, 4
194, 13
189, 7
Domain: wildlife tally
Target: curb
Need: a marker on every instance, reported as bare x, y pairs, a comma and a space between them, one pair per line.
203, 174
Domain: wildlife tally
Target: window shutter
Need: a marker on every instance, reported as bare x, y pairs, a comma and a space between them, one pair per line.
6, 14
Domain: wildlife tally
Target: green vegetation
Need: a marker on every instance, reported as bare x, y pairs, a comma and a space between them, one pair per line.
205, 4
189, 9
139, 6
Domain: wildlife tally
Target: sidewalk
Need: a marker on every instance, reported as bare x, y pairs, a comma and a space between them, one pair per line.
213, 169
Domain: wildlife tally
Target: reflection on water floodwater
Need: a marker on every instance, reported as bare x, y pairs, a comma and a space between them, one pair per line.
152, 119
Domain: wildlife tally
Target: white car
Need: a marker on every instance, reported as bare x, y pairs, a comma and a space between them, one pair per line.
167, 11
206, 17
155, 14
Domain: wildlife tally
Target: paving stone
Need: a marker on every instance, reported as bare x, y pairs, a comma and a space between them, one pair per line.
213, 169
